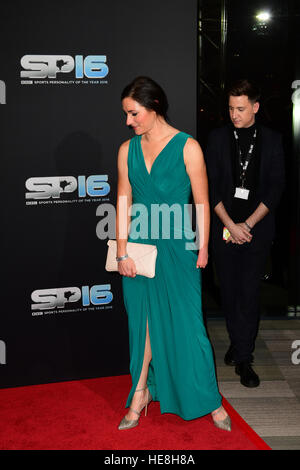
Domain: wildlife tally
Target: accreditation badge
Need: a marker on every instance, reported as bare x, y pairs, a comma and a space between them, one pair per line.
241, 193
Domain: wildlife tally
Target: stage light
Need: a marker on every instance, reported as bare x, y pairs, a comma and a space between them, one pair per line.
263, 16
262, 23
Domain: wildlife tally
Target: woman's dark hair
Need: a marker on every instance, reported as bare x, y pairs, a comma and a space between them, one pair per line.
247, 88
149, 94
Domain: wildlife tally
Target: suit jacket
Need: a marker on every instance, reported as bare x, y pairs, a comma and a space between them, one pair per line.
220, 160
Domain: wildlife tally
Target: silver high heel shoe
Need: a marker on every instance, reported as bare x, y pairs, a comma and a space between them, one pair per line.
225, 423
131, 423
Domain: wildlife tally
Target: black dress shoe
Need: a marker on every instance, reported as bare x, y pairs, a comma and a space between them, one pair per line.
248, 377
228, 358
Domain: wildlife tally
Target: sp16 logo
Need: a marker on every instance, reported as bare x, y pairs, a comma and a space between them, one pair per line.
45, 299
52, 187
48, 66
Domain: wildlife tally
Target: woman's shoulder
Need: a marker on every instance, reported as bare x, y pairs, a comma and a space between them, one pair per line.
123, 153
124, 146
191, 143
184, 136
192, 151
187, 139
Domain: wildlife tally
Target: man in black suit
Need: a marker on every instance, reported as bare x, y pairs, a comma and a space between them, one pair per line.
245, 165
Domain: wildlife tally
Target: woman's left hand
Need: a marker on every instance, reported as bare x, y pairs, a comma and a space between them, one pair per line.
202, 258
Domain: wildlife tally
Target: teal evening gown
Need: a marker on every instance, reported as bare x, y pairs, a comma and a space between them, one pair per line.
181, 373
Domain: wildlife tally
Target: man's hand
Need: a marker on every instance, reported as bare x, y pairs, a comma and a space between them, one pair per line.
239, 233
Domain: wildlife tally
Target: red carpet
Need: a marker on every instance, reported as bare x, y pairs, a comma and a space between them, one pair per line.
84, 415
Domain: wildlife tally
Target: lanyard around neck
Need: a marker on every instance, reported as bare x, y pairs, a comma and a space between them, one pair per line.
243, 164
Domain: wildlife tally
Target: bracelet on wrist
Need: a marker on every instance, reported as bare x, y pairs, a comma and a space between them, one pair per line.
121, 258
248, 226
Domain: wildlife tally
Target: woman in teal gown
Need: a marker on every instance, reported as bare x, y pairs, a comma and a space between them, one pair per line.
171, 358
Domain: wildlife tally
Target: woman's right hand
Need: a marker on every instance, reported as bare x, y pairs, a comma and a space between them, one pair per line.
127, 267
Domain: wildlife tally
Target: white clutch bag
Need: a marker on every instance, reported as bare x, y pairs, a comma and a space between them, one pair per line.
143, 255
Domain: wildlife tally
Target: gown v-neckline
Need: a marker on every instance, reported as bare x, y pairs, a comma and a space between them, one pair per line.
158, 155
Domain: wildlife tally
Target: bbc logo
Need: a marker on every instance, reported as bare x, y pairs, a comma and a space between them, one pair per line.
2, 92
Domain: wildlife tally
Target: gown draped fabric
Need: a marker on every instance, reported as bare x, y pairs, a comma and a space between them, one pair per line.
181, 373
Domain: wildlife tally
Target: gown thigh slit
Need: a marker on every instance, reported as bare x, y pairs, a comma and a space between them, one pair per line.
147, 351
181, 374
137, 326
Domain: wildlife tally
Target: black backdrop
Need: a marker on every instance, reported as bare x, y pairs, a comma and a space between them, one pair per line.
62, 315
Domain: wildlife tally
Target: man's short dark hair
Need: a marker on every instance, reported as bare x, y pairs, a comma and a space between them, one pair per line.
247, 88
